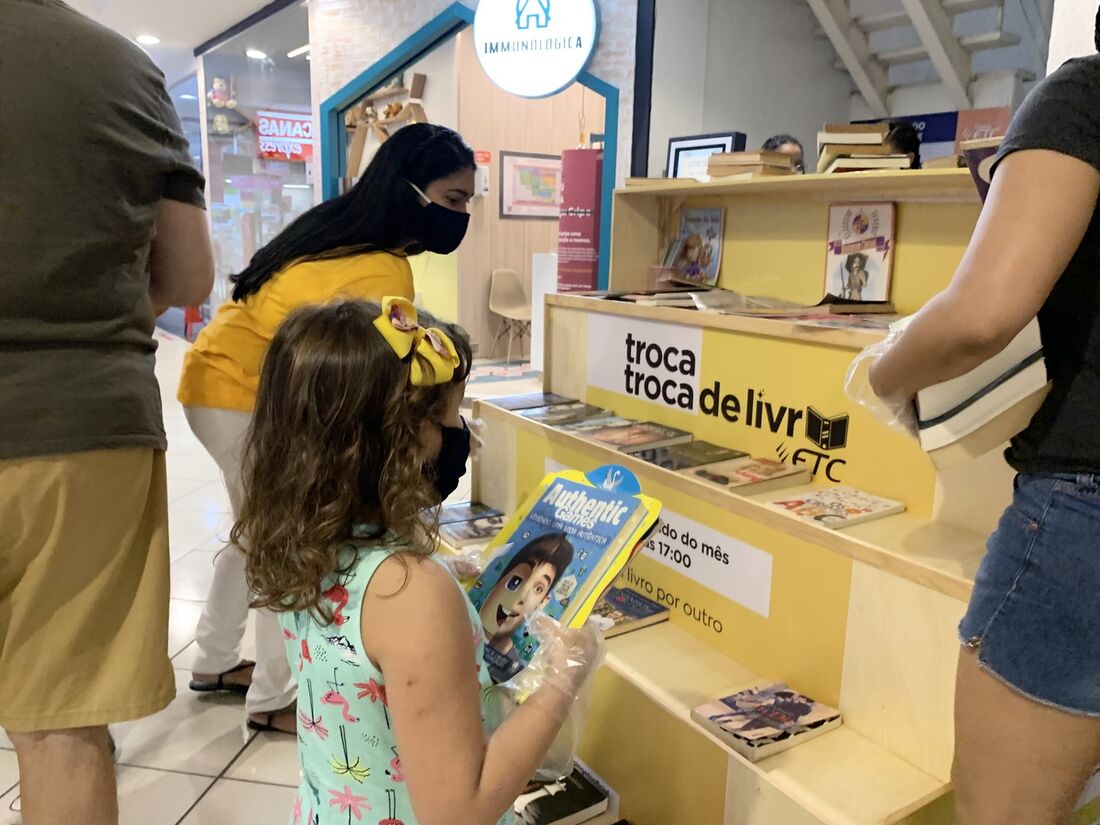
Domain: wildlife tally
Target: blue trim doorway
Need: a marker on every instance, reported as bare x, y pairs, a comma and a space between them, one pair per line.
443, 27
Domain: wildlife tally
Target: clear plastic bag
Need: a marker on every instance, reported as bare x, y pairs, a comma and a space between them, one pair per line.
897, 413
566, 660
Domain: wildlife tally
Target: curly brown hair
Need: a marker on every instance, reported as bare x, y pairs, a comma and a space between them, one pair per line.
335, 442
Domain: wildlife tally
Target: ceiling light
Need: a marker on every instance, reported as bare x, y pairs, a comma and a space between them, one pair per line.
256, 54
296, 186
298, 51
309, 57
188, 97
229, 181
147, 39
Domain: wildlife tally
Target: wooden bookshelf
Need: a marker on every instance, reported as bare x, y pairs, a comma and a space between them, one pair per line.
909, 186
788, 328
934, 555
839, 778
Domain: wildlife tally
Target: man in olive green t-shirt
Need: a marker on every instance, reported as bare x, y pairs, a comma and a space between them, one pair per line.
101, 219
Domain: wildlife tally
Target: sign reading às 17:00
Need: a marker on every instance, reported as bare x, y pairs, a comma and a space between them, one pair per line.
535, 48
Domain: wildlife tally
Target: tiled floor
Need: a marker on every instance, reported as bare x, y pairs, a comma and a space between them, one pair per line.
195, 763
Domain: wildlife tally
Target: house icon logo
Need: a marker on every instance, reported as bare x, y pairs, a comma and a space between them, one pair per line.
532, 13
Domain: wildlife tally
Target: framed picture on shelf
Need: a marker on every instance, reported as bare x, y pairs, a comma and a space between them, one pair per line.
530, 185
688, 156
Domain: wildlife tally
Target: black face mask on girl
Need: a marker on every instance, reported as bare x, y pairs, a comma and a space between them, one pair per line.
450, 464
439, 229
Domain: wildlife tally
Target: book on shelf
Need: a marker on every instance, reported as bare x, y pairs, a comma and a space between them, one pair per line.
622, 610
559, 414
853, 134
856, 150
762, 721
981, 410
758, 157
688, 455
980, 156
829, 305
465, 511
638, 435
859, 252
749, 476
559, 553
461, 534
676, 300
530, 400
836, 507
730, 173
574, 800
700, 256
867, 164
602, 422
868, 321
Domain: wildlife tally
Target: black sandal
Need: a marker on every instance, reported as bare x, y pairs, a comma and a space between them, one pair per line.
269, 725
221, 685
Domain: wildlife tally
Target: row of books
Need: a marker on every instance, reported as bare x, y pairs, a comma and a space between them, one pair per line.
679, 451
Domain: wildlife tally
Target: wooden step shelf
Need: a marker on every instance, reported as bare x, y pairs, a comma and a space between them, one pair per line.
932, 554
840, 778
910, 185
787, 328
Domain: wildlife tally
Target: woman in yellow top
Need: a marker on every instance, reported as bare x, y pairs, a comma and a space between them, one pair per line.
412, 198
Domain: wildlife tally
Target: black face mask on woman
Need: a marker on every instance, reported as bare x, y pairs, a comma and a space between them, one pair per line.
450, 464
438, 228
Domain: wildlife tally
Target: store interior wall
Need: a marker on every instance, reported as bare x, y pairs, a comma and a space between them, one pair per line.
1072, 31
741, 65
494, 121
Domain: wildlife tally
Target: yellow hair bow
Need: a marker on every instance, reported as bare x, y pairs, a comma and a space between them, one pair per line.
435, 358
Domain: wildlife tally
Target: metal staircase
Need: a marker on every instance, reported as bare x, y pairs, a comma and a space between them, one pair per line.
887, 44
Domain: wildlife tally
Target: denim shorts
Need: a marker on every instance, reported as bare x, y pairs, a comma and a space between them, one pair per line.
1034, 617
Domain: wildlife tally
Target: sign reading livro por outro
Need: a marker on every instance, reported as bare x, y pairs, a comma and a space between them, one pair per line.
535, 48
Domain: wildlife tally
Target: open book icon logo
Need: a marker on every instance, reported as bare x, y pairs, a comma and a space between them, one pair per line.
828, 433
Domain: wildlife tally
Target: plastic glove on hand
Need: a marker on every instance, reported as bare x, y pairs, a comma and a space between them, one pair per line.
896, 413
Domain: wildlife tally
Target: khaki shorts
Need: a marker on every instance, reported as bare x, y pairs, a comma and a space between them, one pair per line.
84, 587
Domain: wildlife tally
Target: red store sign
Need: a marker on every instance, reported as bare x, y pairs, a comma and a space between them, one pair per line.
285, 135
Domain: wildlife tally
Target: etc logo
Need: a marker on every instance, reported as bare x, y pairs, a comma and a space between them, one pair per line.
532, 12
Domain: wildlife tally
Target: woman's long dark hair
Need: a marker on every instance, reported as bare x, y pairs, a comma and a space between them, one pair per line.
376, 214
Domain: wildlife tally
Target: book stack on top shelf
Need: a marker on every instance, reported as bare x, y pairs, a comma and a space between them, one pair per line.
856, 147
736, 165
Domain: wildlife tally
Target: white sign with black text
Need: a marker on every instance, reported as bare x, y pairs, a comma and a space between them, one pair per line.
740, 572
647, 360
535, 48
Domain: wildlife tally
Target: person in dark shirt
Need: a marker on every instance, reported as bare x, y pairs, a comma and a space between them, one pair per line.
1028, 687
904, 139
101, 222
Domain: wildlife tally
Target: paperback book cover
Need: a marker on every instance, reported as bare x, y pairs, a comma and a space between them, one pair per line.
638, 435
980, 156
622, 610
860, 251
837, 507
749, 476
691, 454
762, 721
465, 533
569, 801
465, 511
700, 256
559, 554
530, 400
560, 414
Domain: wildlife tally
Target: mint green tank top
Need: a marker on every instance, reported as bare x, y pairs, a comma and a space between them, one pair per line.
351, 768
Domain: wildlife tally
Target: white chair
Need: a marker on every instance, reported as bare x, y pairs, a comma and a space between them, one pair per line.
508, 299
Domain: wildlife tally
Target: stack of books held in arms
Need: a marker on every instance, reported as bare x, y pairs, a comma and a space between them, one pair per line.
856, 147
747, 164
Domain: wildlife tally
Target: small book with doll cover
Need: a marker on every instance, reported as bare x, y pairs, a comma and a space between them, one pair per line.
560, 552
622, 610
